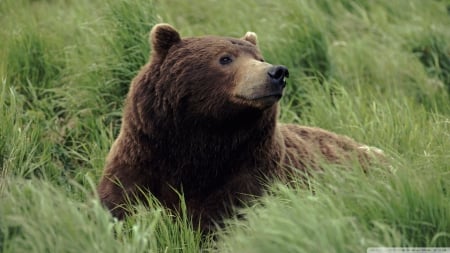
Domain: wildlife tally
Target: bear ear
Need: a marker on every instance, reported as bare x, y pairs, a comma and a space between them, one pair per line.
251, 37
162, 38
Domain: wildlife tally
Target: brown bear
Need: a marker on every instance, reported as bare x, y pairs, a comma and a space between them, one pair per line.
201, 119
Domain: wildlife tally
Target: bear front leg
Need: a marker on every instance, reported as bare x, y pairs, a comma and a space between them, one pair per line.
118, 188
221, 204
112, 196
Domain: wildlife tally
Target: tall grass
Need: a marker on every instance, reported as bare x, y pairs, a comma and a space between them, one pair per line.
36, 216
377, 71
348, 212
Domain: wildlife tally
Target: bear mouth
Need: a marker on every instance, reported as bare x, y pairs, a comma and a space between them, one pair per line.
275, 96
263, 100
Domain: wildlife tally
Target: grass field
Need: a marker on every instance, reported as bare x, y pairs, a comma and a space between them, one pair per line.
378, 71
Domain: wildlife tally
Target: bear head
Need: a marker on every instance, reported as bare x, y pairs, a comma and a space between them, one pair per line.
211, 77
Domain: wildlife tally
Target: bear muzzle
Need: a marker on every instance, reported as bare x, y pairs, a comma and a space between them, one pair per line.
262, 84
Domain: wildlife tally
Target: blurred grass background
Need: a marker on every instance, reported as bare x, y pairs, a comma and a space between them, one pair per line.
378, 71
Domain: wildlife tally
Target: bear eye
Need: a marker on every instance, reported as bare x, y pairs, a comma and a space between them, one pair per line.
225, 60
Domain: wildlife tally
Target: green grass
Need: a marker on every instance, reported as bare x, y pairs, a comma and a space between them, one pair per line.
378, 71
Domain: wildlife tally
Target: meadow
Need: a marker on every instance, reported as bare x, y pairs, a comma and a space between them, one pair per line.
378, 71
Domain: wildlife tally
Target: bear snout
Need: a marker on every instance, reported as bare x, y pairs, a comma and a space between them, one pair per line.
277, 75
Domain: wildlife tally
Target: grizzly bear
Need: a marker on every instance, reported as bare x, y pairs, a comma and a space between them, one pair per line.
200, 119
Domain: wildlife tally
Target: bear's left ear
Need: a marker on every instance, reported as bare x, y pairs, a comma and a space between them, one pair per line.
251, 37
162, 38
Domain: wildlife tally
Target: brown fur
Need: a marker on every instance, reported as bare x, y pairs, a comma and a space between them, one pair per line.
209, 130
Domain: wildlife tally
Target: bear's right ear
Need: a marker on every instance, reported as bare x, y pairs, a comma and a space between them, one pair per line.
162, 38
251, 37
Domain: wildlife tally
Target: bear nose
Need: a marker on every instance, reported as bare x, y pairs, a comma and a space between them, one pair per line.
278, 75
